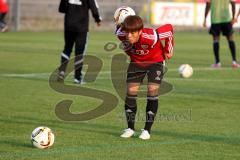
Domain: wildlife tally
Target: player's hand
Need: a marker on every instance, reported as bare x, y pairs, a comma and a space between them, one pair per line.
169, 55
204, 23
234, 21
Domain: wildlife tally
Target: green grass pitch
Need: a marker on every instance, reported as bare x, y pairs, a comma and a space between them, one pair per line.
200, 117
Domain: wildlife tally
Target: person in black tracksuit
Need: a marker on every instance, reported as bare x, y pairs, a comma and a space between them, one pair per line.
76, 24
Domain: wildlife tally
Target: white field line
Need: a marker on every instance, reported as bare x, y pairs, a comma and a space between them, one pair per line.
201, 79
205, 69
26, 75
106, 75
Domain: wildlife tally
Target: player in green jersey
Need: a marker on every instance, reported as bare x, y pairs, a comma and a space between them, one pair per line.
221, 22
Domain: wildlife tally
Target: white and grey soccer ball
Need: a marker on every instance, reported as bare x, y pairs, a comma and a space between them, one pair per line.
185, 70
42, 137
121, 13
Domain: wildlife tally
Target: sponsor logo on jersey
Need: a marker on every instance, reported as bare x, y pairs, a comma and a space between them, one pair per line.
144, 46
142, 52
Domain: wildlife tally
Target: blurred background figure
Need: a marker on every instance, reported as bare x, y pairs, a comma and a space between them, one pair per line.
76, 27
3, 12
221, 22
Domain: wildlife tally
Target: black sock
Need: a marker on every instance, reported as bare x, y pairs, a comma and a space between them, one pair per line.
232, 49
216, 51
130, 110
151, 110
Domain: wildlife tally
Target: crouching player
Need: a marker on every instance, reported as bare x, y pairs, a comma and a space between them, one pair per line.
147, 49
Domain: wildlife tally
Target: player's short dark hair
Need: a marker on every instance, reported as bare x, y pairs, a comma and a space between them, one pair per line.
132, 24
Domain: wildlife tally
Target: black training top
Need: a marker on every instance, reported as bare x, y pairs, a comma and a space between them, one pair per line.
77, 14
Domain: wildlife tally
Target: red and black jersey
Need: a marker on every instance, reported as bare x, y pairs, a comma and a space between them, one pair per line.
152, 45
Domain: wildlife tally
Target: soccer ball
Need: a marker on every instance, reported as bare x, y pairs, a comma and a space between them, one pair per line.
185, 70
42, 137
121, 13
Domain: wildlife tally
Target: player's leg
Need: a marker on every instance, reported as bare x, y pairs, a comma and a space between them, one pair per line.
130, 108
155, 76
134, 79
69, 38
152, 105
131, 103
228, 32
1, 21
3, 25
80, 47
232, 47
216, 47
1, 17
215, 32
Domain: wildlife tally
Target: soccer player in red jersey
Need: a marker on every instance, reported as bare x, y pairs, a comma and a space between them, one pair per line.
3, 12
147, 53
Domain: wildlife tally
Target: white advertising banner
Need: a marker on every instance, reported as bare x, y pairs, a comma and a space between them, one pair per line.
181, 14
174, 13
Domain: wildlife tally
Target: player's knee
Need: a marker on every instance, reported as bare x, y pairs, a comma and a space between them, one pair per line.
153, 90
132, 90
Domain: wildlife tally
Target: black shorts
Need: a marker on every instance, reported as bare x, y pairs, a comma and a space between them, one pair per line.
225, 28
154, 72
